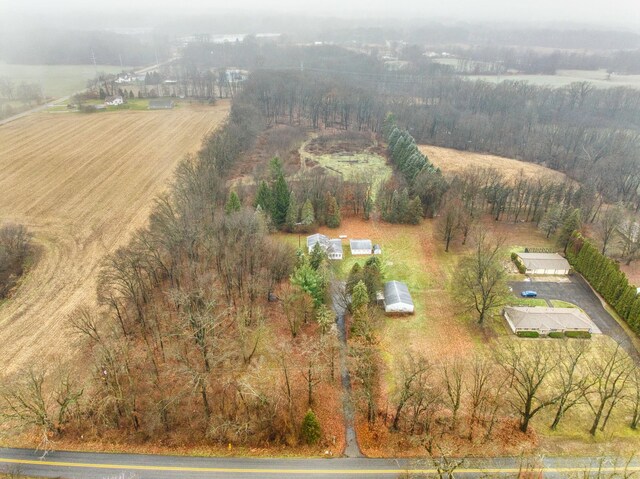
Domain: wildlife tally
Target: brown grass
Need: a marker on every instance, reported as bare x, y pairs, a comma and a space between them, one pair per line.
454, 161
81, 184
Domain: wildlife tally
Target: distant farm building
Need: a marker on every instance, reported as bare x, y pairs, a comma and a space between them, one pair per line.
544, 263
397, 298
161, 104
377, 249
333, 247
360, 246
113, 100
548, 320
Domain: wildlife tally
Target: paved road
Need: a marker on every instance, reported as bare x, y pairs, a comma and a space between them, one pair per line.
578, 292
76, 465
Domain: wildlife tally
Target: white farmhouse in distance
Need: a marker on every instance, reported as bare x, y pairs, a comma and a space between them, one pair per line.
333, 247
113, 100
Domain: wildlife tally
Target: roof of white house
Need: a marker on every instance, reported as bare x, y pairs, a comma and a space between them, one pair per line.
317, 238
396, 292
335, 246
360, 244
541, 318
544, 261
109, 99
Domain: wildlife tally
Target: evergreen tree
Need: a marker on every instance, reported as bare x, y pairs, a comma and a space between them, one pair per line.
355, 276
317, 256
572, 222
414, 211
292, 214
281, 199
325, 318
263, 197
311, 430
333, 212
311, 282
233, 204
307, 217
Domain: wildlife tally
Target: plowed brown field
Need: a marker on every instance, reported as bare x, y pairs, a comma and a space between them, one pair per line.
81, 184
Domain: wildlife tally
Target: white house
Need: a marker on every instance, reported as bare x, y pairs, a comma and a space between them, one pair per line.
113, 100
548, 320
360, 246
397, 298
544, 263
333, 247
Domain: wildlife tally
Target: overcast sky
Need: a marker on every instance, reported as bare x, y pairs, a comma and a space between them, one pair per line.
595, 12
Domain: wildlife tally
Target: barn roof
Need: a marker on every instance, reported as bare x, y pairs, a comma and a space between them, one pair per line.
360, 244
396, 292
541, 318
544, 261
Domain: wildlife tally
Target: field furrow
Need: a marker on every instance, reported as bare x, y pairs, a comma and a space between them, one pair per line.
82, 184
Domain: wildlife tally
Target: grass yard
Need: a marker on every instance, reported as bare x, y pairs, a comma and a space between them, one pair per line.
520, 301
56, 80
558, 303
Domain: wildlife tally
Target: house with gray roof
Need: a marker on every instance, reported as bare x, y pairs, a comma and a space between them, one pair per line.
548, 320
397, 298
360, 246
544, 263
333, 247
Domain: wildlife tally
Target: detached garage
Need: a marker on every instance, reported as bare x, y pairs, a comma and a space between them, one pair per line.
544, 263
548, 320
397, 298
360, 246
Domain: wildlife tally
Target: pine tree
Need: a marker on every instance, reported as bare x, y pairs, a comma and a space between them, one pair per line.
281, 199
571, 223
233, 204
333, 212
414, 211
311, 430
359, 302
263, 197
355, 276
292, 214
325, 318
317, 256
307, 217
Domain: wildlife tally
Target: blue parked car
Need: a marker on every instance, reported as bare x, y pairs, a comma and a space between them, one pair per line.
528, 294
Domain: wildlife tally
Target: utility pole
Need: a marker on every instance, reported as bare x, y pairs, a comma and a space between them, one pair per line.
93, 58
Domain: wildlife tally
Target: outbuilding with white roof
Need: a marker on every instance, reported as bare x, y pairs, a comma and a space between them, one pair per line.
548, 320
397, 298
544, 263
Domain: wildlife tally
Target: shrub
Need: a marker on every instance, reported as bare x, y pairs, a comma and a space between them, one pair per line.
516, 260
528, 334
578, 334
556, 335
311, 430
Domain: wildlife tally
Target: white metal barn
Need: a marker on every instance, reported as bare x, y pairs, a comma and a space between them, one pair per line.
397, 298
544, 263
548, 320
360, 246
113, 100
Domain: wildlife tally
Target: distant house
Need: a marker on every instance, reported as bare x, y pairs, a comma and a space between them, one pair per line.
113, 100
544, 263
161, 104
548, 320
397, 298
333, 247
360, 246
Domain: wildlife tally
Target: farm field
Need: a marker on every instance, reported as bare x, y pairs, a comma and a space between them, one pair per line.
56, 80
81, 184
452, 161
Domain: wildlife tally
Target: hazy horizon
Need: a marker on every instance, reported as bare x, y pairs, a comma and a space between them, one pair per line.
621, 14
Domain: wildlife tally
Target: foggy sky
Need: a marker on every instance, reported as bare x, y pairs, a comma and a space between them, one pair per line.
603, 13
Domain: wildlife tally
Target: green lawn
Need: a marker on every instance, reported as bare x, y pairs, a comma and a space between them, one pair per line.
558, 303
520, 301
56, 80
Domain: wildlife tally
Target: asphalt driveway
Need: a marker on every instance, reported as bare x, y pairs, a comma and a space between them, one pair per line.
578, 292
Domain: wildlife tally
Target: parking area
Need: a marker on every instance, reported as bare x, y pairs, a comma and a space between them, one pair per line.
577, 291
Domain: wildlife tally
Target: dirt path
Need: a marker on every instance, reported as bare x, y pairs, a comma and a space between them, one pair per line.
81, 184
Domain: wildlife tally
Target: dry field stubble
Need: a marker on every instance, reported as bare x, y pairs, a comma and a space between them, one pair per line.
81, 184
455, 161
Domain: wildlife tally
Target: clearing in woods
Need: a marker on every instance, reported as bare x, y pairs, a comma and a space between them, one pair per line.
455, 161
81, 184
